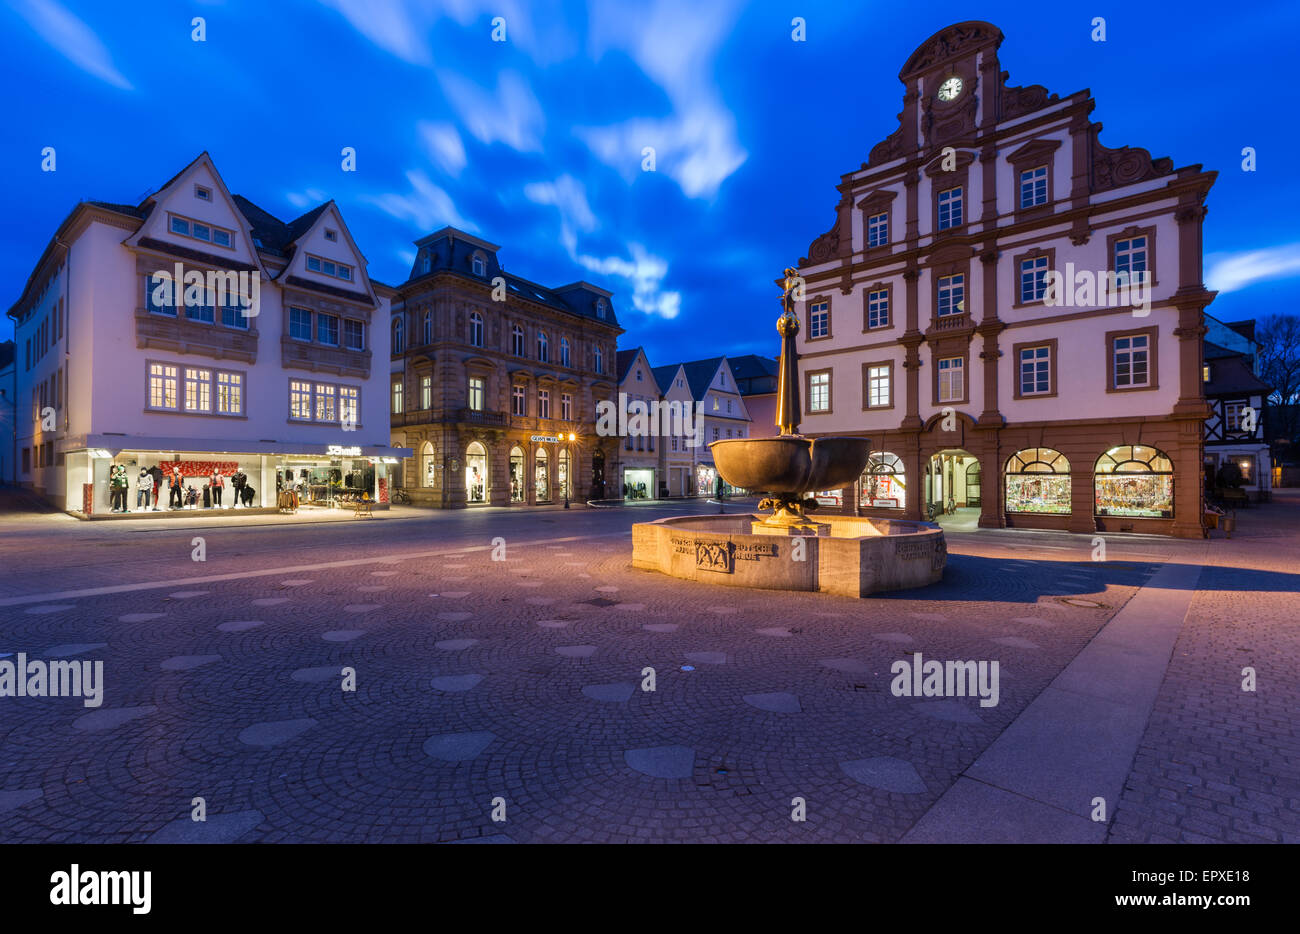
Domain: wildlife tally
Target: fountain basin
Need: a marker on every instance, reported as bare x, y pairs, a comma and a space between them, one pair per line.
790, 464
855, 557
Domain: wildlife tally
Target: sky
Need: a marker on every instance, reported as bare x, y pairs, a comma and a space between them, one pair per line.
536, 142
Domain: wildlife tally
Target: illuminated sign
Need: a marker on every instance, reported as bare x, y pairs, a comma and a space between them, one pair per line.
547, 439
338, 450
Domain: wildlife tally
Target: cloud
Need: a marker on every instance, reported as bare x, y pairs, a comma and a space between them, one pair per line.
303, 199
644, 271
510, 115
444, 146
73, 39
569, 196
675, 43
427, 205
397, 27
1231, 272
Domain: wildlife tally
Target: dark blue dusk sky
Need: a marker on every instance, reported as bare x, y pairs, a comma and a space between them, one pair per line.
535, 143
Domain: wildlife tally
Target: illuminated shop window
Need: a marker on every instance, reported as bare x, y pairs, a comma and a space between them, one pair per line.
1134, 480
1038, 481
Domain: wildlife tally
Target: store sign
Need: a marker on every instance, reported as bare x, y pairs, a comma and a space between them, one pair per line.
547, 439
338, 450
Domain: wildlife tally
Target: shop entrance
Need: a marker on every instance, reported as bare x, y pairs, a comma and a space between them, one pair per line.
952, 489
638, 484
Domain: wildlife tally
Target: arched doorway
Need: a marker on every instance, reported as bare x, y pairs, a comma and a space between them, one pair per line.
518, 484
542, 473
952, 489
883, 484
598, 474
476, 473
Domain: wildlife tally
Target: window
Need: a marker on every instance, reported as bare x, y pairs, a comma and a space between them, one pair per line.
543, 403
204, 312
952, 295
397, 335
159, 296
1205, 373
543, 348
1033, 279
1130, 261
1232, 414
1033, 187
950, 208
203, 194
601, 307
878, 229
428, 327
715, 434
354, 334
566, 407
233, 313
1130, 361
331, 235
819, 392
1035, 370
883, 484
327, 329
197, 230
300, 400
480, 265
300, 324
349, 404
1134, 480
517, 341
518, 400
598, 360
162, 386
819, 320
674, 442
198, 390
878, 309
230, 393
426, 392
1038, 481
879, 385
326, 405
329, 268
399, 402
477, 393
952, 387
564, 351
476, 329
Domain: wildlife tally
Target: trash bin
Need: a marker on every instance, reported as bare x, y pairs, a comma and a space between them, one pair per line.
1229, 523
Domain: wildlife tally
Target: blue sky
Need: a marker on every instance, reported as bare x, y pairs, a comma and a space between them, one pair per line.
535, 143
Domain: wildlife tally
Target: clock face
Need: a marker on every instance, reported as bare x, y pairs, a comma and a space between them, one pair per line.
950, 89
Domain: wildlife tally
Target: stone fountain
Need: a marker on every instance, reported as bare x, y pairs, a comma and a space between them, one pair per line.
847, 555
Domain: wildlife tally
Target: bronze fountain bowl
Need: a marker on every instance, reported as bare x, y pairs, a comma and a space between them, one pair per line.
790, 464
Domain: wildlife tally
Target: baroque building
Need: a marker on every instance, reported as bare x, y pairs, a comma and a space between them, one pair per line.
1011, 311
495, 381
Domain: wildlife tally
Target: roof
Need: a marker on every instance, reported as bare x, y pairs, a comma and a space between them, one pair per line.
664, 374
700, 373
1215, 351
752, 365
272, 235
624, 359
1232, 375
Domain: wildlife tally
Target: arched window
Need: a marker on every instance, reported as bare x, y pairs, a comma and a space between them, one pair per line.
397, 335
563, 473
517, 341
428, 465
426, 262
1038, 481
517, 482
883, 484
543, 475
564, 351
543, 347
598, 360
480, 265
428, 327
476, 329
476, 475
1134, 480
601, 308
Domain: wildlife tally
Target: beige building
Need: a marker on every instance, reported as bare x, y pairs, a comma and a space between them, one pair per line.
495, 380
1010, 310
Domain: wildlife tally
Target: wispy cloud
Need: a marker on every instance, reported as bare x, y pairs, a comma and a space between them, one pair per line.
645, 273
305, 199
444, 146
72, 38
569, 196
510, 114
675, 43
427, 205
1231, 272
396, 26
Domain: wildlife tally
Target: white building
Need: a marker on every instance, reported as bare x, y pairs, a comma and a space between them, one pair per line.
712, 386
678, 452
929, 326
274, 378
640, 459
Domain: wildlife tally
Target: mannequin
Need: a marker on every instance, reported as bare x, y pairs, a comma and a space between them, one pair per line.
218, 483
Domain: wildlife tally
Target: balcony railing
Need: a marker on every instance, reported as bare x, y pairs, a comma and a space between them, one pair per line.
952, 322
482, 417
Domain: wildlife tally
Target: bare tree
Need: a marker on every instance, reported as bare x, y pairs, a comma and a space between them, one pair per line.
1279, 366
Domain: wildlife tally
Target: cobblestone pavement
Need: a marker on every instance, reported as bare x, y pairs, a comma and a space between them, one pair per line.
485, 686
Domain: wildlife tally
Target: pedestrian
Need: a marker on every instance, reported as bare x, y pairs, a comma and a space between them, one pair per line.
218, 483
144, 492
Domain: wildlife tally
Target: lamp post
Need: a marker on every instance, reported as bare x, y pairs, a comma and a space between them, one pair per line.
568, 469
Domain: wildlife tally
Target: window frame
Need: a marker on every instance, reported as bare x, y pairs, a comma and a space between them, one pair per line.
808, 394
867, 367
1051, 344
964, 357
812, 303
1153, 356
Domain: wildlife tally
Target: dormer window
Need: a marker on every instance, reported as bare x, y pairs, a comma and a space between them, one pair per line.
426, 262
328, 267
480, 265
600, 308
331, 235
197, 230
203, 194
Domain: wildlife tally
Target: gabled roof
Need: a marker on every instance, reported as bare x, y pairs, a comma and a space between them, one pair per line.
664, 375
700, 373
752, 365
623, 361
272, 235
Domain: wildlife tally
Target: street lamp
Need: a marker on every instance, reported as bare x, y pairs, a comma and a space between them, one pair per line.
568, 469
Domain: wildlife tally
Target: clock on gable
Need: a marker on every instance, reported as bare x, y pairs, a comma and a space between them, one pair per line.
950, 88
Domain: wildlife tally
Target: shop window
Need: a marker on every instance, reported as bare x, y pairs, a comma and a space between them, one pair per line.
883, 484
516, 475
429, 461
1134, 480
476, 473
563, 474
542, 474
1038, 481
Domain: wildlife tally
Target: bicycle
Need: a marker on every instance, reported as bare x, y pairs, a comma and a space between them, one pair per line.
401, 496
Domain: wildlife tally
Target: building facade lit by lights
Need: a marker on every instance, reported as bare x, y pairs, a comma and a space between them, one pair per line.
261, 361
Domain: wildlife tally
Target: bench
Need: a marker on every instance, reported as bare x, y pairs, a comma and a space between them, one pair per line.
364, 508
